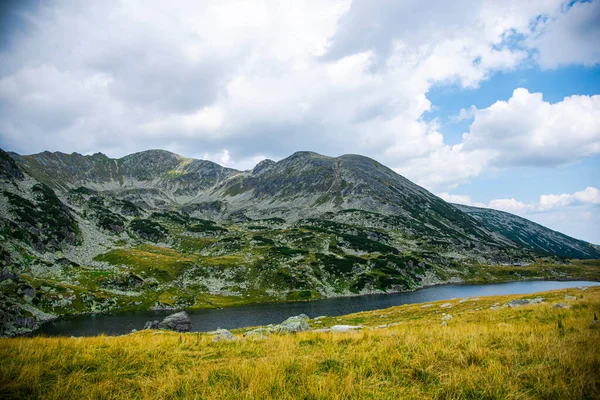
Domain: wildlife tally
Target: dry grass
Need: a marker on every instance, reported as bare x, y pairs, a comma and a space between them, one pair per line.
511, 353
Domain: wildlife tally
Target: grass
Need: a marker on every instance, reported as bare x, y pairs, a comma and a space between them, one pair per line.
159, 262
527, 352
571, 270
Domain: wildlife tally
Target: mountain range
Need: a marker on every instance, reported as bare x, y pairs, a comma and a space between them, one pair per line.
155, 230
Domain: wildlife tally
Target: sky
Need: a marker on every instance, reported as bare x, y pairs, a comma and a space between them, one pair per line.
488, 103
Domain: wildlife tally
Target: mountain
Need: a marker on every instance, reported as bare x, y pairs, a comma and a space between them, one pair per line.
155, 230
531, 235
303, 185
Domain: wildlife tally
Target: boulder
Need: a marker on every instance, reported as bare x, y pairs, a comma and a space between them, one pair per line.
179, 322
446, 305
447, 317
259, 333
223, 335
517, 303
293, 324
567, 297
523, 302
151, 325
560, 305
345, 328
537, 300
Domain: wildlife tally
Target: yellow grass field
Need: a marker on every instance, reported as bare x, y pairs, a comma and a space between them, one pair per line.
527, 352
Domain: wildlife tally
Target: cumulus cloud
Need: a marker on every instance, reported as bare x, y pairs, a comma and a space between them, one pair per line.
589, 196
526, 130
570, 37
274, 77
460, 199
575, 214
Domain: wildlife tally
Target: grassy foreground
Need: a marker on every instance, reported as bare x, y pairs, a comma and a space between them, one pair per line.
532, 351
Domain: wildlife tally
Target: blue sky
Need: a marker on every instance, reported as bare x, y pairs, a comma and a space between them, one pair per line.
494, 104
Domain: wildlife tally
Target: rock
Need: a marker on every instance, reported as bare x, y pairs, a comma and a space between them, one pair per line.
494, 308
293, 324
319, 317
223, 335
179, 322
446, 305
537, 300
258, 332
345, 328
464, 300
517, 303
426, 305
560, 305
567, 297
447, 317
151, 325
444, 323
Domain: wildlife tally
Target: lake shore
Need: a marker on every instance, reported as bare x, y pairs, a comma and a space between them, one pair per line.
536, 350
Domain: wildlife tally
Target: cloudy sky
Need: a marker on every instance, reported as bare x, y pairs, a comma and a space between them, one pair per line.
492, 103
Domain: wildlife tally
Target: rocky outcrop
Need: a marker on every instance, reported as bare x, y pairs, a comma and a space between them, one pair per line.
298, 323
151, 324
523, 302
178, 322
223, 335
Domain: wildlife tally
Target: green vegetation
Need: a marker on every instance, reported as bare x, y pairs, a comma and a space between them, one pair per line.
47, 223
532, 351
152, 261
148, 229
541, 269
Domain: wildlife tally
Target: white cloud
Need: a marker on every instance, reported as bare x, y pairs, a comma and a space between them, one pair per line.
464, 114
276, 77
571, 37
460, 199
523, 131
510, 205
575, 214
526, 130
588, 196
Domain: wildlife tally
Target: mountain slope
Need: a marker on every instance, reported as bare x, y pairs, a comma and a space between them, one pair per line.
178, 178
303, 185
154, 230
532, 235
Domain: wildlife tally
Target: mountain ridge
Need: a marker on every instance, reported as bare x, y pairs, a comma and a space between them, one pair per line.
154, 230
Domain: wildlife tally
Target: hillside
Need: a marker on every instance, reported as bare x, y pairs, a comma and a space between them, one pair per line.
531, 235
154, 230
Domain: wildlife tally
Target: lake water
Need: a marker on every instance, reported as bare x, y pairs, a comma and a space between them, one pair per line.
272, 313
